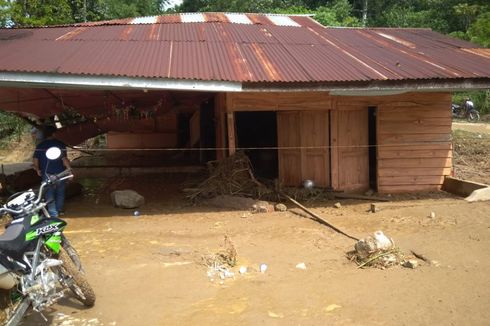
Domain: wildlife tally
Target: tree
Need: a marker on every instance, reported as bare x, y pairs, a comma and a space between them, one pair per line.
479, 31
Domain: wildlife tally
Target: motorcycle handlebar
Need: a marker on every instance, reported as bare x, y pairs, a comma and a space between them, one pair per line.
4, 210
55, 178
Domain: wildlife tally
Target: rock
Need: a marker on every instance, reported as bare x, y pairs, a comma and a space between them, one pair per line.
337, 205
365, 247
482, 194
127, 199
411, 263
432, 215
374, 208
370, 192
281, 208
262, 207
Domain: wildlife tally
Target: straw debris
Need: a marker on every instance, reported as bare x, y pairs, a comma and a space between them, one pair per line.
230, 176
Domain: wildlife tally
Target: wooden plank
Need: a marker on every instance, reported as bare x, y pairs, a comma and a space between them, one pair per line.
314, 133
334, 149
407, 188
280, 101
415, 163
413, 139
411, 180
407, 99
288, 135
402, 128
385, 153
353, 153
219, 115
404, 115
384, 172
195, 128
230, 116
407, 147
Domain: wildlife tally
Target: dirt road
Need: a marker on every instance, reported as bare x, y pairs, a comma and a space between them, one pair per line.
147, 270
480, 127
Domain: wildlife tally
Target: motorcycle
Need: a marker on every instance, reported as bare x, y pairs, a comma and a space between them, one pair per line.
465, 111
37, 263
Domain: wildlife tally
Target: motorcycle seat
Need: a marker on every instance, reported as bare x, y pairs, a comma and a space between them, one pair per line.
12, 238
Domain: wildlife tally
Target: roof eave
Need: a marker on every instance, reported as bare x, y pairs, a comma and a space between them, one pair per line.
44, 80
353, 88
373, 88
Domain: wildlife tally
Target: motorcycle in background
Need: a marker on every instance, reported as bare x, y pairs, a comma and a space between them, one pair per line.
37, 263
466, 111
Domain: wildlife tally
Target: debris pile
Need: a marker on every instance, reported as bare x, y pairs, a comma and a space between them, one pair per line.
230, 176
377, 251
220, 264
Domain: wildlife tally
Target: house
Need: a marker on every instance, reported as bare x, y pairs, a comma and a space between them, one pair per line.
349, 108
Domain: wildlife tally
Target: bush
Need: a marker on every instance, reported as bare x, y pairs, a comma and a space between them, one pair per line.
11, 128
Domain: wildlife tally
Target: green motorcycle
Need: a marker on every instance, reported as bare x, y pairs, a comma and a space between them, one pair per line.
37, 263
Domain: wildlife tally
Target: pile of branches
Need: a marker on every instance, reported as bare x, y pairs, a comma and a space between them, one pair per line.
230, 176
382, 258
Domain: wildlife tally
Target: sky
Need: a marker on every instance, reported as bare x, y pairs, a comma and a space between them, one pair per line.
173, 3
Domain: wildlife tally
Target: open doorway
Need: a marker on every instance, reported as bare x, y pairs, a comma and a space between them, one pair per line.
373, 161
257, 133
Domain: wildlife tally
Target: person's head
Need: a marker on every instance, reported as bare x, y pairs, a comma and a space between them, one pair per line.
49, 131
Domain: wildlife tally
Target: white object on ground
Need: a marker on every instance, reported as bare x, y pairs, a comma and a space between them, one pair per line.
482, 194
243, 269
263, 268
301, 266
382, 241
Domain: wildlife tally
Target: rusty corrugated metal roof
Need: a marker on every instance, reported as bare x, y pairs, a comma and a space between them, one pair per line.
240, 48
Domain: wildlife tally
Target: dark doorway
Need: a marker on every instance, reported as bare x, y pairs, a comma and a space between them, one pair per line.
257, 133
208, 133
373, 161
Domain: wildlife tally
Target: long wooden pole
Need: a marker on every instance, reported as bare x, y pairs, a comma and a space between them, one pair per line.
320, 219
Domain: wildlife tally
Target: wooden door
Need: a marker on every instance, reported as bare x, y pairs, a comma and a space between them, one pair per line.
289, 143
353, 151
303, 142
314, 140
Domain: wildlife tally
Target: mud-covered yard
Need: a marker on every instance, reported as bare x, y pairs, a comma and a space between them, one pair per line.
148, 270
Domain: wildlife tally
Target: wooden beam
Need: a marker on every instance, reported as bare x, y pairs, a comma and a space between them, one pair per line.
334, 150
220, 125
230, 116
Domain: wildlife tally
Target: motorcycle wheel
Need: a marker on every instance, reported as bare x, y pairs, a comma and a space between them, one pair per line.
473, 116
72, 253
79, 284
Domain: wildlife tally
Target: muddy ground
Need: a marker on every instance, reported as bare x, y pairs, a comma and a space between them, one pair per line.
147, 270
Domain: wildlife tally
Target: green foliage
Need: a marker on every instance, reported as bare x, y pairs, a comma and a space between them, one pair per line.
479, 31
40, 12
11, 127
53, 12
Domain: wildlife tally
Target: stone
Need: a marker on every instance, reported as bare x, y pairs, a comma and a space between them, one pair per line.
411, 263
281, 207
337, 205
374, 208
127, 199
482, 194
370, 192
432, 215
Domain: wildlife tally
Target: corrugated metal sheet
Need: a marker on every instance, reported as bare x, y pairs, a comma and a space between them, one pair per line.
240, 48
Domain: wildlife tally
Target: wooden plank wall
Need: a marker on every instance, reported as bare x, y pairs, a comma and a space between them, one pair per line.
413, 132
302, 121
414, 143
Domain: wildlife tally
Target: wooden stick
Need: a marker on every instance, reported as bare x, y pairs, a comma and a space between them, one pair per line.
319, 218
354, 196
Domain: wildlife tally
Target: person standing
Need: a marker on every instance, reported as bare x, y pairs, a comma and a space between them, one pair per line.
55, 194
